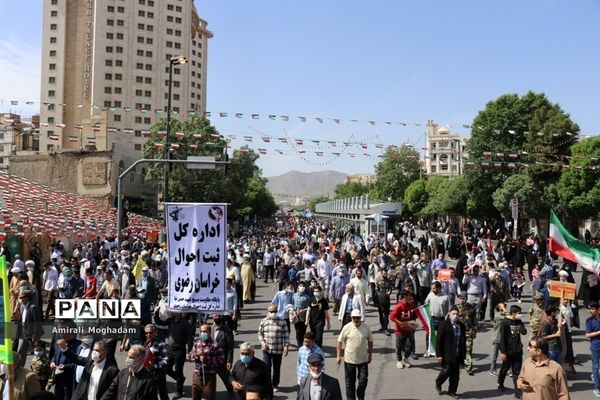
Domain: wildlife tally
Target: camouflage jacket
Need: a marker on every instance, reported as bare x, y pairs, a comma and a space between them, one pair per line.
467, 316
41, 366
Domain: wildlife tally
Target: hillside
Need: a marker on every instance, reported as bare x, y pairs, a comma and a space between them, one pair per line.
294, 184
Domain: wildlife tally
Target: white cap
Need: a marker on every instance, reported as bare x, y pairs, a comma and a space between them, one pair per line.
355, 313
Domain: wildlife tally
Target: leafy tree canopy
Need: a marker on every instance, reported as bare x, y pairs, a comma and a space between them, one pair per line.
398, 168
351, 189
521, 187
416, 196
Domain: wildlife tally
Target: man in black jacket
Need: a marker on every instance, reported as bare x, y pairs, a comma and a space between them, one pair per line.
133, 382
29, 325
451, 349
250, 373
329, 386
511, 347
98, 373
180, 337
223, 337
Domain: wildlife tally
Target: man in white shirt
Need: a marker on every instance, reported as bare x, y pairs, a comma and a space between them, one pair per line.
50, 277
324, 269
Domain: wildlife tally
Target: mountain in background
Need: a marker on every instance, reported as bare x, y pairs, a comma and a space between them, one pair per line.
304, 185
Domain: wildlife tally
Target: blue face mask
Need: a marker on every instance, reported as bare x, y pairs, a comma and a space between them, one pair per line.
245, 359
38, 353
204, 336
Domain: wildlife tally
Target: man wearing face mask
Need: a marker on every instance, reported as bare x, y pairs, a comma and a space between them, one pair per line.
338, 287
133, 382
99, 370
147, 283
450, 348
282, 300
274, 339
318, 385
84, 350
476, 289
29, 326
223, 337
250, 373
208, 356
511, 347
161, 315
317, 316
357, 340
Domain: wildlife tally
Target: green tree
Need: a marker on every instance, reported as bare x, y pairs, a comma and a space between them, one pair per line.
508, 125
455, 195
241, 185
579, 186
398, 168
436, 188
350, 189
416, 196
521, 187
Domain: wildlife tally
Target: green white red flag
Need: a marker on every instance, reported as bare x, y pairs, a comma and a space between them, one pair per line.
562, 243
424, 314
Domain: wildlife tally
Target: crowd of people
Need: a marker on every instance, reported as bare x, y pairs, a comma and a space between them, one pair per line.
323, 272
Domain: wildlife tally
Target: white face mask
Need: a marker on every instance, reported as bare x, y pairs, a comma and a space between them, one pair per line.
95, 356
316, 375
130, 362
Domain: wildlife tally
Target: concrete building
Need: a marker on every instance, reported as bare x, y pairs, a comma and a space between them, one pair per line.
444, 151
105, 70
17, 136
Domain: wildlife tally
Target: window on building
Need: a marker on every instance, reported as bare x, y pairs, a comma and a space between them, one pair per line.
117, 118
138, 120
176, 97
137, 133
193, 73
118, 103
148, 67
51, 120
148, 80
118, 90
141, 13
193, 95
54, 2
52, 53
150, 28
169, 18
54, 13
150, 3
110, 8
149, 41
193, 84
108, 76
52, 40
169, 31
139, 79
444, 167
138, 92
121, 9
148, 53
176, 83
169, 44
49, 147
147, 120
119, 63
109, 35
118, 77
108, 90
178, 8
140, 53
177, 20
139, 66
140, 39
148, 93
177, 32
52, 79
141, 26
454, 169
138, 147
110, 22
142, 2
433, 169
50, 107
170, 7
107, 103
52, 67
121, 167
119, 36
150, 14
177, 45
176, 71
143, 174
50, 133
53, 27
109, 49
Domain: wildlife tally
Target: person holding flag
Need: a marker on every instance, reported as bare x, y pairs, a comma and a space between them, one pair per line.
402, 316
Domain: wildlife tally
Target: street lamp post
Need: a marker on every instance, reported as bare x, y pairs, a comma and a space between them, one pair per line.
178, 60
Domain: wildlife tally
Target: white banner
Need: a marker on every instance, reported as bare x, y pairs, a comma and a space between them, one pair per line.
197, 239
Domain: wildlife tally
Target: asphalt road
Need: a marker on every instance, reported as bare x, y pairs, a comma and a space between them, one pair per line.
386, 382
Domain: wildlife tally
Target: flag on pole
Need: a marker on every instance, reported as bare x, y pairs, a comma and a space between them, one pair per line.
569, 247
424, 315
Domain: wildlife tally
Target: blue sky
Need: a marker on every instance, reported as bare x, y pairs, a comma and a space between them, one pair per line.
382, 60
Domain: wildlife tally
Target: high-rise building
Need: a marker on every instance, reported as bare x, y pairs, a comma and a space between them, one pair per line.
105, 69
445, 151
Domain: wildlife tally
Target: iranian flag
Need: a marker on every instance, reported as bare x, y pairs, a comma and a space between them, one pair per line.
424, 315
570, 248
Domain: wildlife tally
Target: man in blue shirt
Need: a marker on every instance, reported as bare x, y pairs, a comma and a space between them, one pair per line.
592, 332
282, 300
304, 352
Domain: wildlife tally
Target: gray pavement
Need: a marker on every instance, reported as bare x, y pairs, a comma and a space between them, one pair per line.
386, 382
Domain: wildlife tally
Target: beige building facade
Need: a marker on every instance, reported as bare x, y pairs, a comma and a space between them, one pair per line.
445, 151
105, 70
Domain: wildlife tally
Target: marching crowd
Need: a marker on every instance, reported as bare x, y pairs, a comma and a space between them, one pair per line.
323, 272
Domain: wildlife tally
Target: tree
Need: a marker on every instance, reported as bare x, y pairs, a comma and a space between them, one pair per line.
454, 200
241, 185
579, 186
416, 196
312, 203
521, 187
506, 126
350, 189
399, 167
436, 188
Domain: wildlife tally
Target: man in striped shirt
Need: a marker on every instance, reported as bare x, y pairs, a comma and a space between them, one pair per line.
208, 357
156, 359
274, 338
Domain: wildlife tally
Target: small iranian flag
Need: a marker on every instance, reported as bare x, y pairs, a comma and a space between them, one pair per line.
569, 247
60, 125
73, 138
91, 140
53, 137
424, 315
